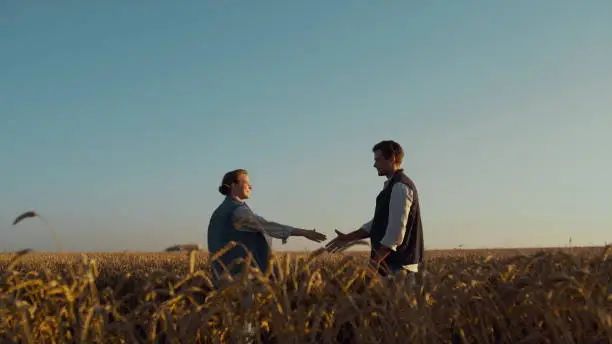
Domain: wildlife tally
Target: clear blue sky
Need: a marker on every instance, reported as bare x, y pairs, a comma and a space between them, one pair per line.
119, 118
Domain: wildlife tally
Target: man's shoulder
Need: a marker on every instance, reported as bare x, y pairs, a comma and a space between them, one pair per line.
403, 188
403, 179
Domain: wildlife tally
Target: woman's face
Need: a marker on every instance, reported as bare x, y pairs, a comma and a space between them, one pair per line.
242, 188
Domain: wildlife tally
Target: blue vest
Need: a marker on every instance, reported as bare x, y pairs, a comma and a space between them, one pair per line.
221, 232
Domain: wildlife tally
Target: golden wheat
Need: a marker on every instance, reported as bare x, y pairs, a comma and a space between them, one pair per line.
542, 297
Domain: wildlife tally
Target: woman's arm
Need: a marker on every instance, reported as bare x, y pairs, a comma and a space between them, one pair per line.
245, 219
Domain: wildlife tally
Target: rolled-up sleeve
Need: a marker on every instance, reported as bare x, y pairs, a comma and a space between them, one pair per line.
399, 209
244, 219
366, 226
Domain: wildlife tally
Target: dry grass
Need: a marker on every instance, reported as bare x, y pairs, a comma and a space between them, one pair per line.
464, 297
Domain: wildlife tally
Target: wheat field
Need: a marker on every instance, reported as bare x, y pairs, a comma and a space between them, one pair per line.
537, 296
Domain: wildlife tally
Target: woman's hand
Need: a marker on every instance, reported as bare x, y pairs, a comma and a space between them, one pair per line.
312, 235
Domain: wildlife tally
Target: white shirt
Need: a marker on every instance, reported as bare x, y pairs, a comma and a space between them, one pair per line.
399, 209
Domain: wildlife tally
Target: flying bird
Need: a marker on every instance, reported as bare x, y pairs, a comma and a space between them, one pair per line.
26, 215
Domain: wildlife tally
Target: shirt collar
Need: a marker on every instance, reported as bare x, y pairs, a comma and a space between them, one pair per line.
393, 175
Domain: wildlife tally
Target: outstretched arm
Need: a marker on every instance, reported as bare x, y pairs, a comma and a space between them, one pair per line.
342, 240
362, 232
244, 219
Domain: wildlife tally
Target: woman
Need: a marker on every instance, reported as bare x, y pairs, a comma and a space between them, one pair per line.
234, 221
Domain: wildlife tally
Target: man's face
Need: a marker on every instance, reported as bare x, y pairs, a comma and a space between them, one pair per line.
242, 188
382, 165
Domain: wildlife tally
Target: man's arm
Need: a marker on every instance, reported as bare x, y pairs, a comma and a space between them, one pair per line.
399, 209
362, 232
358, 234
342, 240
244, 219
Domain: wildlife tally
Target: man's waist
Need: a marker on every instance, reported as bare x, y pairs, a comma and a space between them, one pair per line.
409, 267
407, 264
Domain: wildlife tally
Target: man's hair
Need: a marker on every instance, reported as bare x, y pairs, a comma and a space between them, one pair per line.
390, 148
229, 178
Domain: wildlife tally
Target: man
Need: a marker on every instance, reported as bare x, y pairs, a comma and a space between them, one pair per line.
395, 230
233, 221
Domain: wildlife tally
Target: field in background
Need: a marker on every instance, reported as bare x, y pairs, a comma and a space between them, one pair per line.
558, 295
117, 263
498, 252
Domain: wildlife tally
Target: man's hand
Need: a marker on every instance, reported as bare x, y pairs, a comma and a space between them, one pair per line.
338, 242
313, 235
377, 262
380, 254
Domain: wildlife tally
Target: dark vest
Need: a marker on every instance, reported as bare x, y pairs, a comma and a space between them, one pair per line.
221, 232
410, 251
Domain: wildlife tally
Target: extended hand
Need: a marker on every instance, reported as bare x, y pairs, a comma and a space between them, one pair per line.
337, 243
314, 235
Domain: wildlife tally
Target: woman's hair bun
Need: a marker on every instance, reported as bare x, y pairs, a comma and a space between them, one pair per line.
224, 189
229, 178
